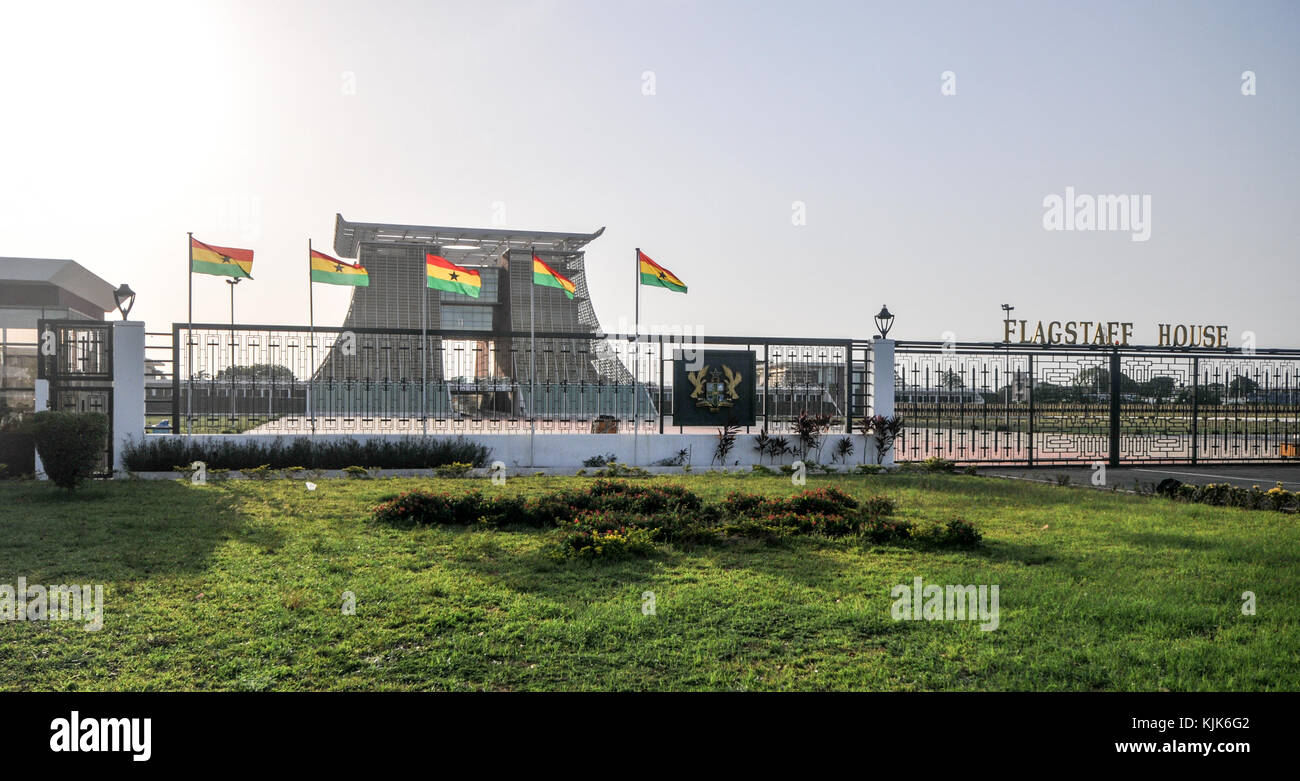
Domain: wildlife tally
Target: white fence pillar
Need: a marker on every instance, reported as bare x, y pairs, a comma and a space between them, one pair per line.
882, 384
42, 403
128, 386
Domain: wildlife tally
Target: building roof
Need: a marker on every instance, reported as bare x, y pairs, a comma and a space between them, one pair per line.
488, 243
67, 274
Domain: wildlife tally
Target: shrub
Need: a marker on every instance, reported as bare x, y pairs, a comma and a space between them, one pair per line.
357, 472
682, 457
821, 500
161, 453
615, 469
70, 444
613, 518
599, 535
956, 533
599, 460
263, 472
869, 469
453, 470
936, 464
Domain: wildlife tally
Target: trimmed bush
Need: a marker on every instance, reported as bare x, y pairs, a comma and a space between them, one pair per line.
70, 444
161, 454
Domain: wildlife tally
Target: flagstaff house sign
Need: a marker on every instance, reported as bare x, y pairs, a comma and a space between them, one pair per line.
1111, 332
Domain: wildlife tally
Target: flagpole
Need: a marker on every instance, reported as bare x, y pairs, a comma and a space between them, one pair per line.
636, 359
424, 350
311, 350
532, 357
189, 328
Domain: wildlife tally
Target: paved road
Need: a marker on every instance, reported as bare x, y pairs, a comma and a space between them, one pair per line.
1263, 475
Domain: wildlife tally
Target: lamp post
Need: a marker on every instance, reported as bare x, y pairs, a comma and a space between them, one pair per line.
884, 321
124, 296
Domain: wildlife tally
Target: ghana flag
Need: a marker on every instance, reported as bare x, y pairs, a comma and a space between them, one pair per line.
549, 277
442, 274
221, 261
654, 274
331, 271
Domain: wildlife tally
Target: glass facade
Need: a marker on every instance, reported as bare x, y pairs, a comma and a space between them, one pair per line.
466, 317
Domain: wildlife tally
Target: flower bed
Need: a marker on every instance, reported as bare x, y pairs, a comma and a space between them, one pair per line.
613, 518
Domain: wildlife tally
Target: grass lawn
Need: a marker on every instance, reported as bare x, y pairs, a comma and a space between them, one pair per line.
238, 585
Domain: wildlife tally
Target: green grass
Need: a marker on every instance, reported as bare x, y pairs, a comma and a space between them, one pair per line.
238, 585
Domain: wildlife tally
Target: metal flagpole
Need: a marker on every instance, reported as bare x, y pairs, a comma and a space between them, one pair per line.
532, 356
636, 359
311, 349
189, 335
424, 350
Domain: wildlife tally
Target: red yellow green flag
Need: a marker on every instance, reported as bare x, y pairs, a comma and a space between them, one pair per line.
654, 274
548, 277
331, 271
220, 261
442, 274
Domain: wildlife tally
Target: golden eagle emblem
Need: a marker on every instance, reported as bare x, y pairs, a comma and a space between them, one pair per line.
714, 389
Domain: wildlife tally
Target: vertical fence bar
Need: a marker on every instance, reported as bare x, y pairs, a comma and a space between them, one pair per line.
1196, 404
1030, 372
767, 396
176, 378
661, 383
848, 387
1114, 408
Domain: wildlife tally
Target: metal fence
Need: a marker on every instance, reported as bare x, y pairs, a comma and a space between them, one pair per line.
991, 403
293, 379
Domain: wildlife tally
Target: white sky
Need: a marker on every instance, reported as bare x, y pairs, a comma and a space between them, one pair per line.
125, 125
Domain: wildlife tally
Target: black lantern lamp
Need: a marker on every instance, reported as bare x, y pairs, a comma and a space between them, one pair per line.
125, 298
884, 321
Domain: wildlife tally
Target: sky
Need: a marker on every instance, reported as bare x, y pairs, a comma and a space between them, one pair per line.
797, 164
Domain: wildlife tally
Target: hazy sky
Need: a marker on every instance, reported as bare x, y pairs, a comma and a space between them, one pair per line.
252, 123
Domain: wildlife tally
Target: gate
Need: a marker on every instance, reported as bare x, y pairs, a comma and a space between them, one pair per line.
76, 358
1057, 404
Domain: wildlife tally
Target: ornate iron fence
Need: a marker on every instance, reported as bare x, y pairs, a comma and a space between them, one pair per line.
292, 379
992, 403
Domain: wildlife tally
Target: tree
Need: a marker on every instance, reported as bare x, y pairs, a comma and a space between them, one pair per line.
951, 380
258, 372
1158, 388
1241, 386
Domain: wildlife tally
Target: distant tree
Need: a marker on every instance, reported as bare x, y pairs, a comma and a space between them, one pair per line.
1241, 387
1096, 379
258, 372
1158, 388
951, 380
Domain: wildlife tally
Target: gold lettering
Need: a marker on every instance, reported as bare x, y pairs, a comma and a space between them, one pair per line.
1071, 333
1164, 334
1052, 335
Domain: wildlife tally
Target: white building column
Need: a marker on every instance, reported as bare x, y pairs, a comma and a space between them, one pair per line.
128, 386
882, 385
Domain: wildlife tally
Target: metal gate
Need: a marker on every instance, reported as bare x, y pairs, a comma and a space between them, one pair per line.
1025, 404
76, 358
